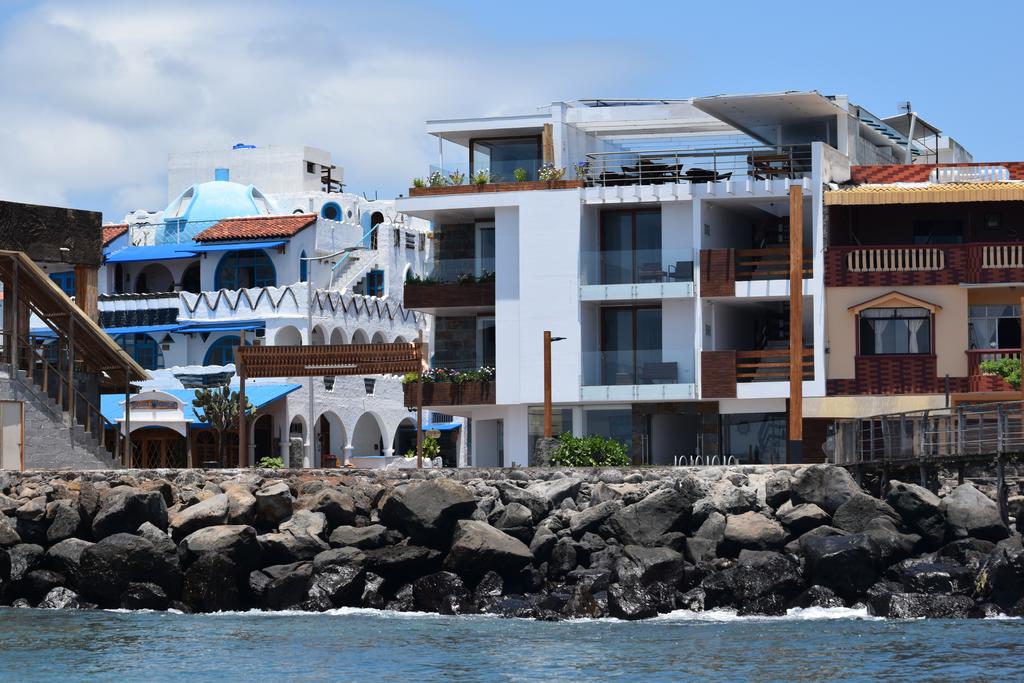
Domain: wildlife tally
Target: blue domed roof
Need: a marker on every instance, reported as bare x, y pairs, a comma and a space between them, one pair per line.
217, 199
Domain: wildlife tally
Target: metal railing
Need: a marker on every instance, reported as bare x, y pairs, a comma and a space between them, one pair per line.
459, 270
961, 433
636, 266
712, 164
635, 367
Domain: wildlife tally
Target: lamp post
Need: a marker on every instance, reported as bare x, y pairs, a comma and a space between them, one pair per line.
547, 381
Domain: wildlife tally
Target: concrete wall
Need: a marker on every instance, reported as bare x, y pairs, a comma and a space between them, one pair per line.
272, 169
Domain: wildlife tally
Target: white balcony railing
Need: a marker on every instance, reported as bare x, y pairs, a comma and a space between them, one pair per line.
895, 259
1002, 256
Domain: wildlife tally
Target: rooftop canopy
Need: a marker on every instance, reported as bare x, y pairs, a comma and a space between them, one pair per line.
259, 395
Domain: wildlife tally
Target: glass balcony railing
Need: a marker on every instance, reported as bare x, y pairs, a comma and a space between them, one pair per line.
637, 366
637, 266
465, 271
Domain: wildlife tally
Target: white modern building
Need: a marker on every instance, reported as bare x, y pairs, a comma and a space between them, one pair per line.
225, 264
660, 256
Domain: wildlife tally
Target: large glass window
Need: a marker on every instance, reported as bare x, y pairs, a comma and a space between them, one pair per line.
143, 348
485, 342
630, 344
994, 326
502, 156
895, 331
484, 249
758, 438
222, 351
631, 247
612, 424
246, 268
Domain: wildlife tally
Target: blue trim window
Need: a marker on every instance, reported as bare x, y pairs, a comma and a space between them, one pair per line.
66, 281
375, 283
222, 174
246, 268
303, 268
143, 348
331, 211
222, 351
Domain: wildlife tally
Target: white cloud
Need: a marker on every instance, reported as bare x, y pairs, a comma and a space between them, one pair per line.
95, 95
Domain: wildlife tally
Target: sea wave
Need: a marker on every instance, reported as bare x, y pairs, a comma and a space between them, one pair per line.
795, 614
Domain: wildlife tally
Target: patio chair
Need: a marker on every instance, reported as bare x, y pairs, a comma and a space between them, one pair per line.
651, 272
682, 271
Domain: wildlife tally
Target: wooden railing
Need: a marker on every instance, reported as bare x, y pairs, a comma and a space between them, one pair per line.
767, 264
895, 259
978, 380
770, 365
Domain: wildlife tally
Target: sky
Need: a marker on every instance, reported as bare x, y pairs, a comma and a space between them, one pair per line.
95, 94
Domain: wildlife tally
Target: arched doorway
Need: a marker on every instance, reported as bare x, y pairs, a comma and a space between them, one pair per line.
401, 340
379, 338
153, 279
338, 337
405, 437
263, 439
158, 447
368, 437
296, 441
190, 280
222, 351
331, 439
359, 337
316, 337
288, 335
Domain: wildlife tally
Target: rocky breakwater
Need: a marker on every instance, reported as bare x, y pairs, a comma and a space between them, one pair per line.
541, 543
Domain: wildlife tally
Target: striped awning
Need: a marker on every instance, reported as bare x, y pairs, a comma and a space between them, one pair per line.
925, 194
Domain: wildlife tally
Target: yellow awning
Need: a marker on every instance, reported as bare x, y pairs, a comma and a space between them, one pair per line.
926, 194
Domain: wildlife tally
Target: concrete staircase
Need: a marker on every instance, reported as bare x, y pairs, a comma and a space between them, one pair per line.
51, 441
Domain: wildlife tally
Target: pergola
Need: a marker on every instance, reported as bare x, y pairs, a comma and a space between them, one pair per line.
329, 361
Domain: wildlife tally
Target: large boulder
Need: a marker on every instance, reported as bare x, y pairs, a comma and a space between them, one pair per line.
287, 586
650, 565
211, 583
427, 510
799, 519
969, 512
827, 486
338, 507
341, 585
478, 548
441, 592
125, 508
644, 522
846, 564
752, 530
887, 600
889, 543
510, 493
65, 519
210, 512
66, 558
235, 542
241, 504
402, 563
61, 598
108, 566
144, 595
372, 536
631, 601
765, 582
273, 505
8, 534
1001, 578
858, 510
554, 491
592, 517
920, 508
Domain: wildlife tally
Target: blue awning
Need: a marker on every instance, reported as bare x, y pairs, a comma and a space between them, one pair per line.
223, 326
47, 333
239, 246
152, 252
441, 426
259, 395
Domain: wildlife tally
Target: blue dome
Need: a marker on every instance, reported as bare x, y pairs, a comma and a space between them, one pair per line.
217, 199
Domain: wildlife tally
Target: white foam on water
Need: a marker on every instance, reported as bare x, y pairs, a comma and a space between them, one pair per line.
795, 614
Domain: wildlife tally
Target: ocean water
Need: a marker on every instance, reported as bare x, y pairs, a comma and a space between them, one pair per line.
363, 645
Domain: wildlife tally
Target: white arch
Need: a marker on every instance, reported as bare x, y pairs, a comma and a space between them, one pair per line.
338, 437
401, 340
288, 335
368, 435
155, 277
338, 337
405, 425
302, 422
317, 336
379, 338
359, 337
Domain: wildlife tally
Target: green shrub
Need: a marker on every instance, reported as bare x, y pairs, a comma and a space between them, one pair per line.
271, 463
419, 182
431, 449
1007, 368
519, 174
589, 451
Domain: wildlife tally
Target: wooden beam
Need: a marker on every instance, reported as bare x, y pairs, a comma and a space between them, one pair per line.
796, 321
547, 140
419, 402
547, 384
243, 431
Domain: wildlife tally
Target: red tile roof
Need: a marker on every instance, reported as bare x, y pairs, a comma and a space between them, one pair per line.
112, 232
257, 227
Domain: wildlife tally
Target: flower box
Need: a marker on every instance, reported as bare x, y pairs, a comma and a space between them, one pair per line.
495, 187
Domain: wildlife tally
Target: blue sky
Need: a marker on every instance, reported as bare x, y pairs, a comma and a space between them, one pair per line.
94, 95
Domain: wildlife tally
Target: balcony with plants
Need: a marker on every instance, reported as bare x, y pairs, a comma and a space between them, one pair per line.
450, 387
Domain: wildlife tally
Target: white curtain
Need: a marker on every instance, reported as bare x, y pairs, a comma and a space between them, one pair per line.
880, 326
984, 332
913, 326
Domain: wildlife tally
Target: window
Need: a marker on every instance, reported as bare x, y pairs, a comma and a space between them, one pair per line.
375, 283
630, 345
938, 232
485, 342
484, 248
222, 174
66, 281
611, 423
303, 268
143, 349
994, 326
502, 156
222, 351
895, 331
331, 211
246, 268
310, 167
631, 247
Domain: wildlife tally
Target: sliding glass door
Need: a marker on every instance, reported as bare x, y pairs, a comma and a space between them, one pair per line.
630, 340
631, 247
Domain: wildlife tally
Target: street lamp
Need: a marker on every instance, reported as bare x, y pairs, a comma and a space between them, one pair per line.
547, 381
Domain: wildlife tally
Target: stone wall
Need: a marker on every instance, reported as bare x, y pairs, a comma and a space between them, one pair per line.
42, 231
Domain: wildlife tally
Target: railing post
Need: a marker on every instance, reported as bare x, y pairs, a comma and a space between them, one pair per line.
1000, 429
958, 446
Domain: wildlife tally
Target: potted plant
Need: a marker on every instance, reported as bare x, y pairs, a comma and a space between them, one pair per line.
419, 182
456, 177
550, 173
483, 177
520, 175
437, 179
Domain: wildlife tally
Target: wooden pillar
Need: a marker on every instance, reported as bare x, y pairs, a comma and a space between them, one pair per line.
127, 420
15, 314
547, 138
796, 321
243, 431
71, 371
86, 290
419, 402
547, 384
